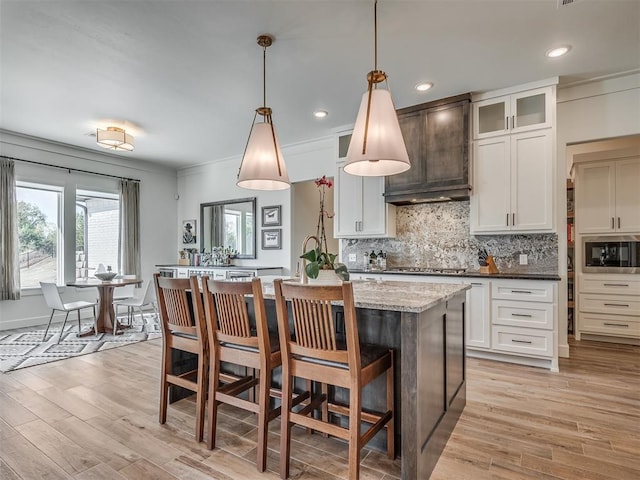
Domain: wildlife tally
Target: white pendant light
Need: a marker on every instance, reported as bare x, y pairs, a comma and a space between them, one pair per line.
262, 166
114, 138
377, 147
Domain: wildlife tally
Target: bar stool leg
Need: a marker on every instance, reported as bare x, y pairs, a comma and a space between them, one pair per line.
285, 428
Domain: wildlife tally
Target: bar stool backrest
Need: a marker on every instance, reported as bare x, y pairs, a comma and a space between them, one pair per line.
226, 306
179, 311
312, 334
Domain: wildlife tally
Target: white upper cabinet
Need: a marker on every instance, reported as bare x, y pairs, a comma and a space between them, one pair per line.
512, 184
513, 160
608, 197
519, 112
361, 210
360, 207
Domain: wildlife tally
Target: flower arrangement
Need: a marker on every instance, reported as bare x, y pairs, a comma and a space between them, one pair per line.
319, 258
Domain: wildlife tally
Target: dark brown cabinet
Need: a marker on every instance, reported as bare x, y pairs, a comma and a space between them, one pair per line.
437, 138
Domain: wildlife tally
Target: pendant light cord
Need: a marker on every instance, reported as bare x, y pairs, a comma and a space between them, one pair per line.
375, 35
264, 76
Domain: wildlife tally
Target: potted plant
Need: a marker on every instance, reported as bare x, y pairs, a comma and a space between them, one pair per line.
319, 259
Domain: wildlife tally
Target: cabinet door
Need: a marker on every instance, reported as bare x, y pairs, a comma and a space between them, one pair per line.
531, 181
447, 146
348, 203
627, 197
490, 210
454, 349
478, 315
413, 131
531, 110
595, 198
491, 117
374, 208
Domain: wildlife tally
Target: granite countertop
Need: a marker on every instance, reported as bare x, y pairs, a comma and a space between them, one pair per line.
412, 297
519, 275
235, 267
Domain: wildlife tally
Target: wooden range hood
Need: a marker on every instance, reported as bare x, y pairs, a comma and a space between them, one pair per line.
437, 139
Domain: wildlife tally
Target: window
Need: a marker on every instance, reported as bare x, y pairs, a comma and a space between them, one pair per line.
39, 233
97, 227
239, 233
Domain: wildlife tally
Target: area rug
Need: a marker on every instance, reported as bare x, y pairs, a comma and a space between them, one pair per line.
20, 349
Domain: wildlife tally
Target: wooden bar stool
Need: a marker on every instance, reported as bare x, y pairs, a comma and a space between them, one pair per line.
183, 328
310, 350
234, 340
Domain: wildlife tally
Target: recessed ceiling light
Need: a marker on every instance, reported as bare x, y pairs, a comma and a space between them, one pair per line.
558, 51
423, 87
320, 113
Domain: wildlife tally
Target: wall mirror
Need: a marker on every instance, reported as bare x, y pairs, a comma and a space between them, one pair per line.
231, 223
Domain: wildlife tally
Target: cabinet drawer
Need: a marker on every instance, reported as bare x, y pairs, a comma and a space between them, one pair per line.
619, 326
623, 286
522, 314
527, 291
526, 341
609, 304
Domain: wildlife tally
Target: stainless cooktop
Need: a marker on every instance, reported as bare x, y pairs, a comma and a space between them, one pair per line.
427, 270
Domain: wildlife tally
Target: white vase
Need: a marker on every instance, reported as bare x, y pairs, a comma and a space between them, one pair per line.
326, 277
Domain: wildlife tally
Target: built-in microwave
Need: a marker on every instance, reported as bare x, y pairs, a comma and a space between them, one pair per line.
611, 254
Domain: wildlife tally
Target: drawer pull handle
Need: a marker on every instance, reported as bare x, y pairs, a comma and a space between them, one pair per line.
616, 305
476, 283
625, 325
522, 291
521, 315
521, 341
616, 284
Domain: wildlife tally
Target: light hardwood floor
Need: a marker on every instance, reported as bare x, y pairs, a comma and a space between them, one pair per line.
95, 417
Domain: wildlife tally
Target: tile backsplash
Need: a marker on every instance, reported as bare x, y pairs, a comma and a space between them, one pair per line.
437, 235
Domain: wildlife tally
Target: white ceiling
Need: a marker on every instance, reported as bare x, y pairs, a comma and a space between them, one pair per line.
188, 74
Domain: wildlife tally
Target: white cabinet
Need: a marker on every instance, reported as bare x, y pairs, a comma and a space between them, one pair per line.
505, 319
512, 183
609, 305
478, 315
360, 207
519, 112
524, 318
226, 273
608, 197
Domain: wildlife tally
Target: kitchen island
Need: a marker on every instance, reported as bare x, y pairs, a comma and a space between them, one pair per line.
424, 324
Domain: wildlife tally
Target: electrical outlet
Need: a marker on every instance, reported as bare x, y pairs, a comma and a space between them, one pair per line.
352, 257
524, 260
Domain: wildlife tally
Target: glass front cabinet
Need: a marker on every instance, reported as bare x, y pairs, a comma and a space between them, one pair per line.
515, 113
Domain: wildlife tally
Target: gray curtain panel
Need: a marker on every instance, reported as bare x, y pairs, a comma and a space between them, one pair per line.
129, 244
9, 255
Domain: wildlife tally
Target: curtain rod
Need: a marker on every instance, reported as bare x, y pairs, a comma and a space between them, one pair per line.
70, 169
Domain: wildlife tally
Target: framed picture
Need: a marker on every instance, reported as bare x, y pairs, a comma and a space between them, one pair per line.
272, 239
189, 232
271, 216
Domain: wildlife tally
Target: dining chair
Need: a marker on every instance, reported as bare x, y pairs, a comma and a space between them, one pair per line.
235, 339
54, 302
183, 328
126, 291
142, 298
312, 350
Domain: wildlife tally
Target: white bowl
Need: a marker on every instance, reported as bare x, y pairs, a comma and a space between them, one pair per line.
106, 276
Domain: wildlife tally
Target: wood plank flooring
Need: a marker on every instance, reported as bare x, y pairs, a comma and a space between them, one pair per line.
95, 417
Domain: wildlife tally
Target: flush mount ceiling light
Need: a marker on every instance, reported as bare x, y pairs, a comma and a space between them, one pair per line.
423, 87
558, 51
114, 138
320, 114
262, 166
377, 147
